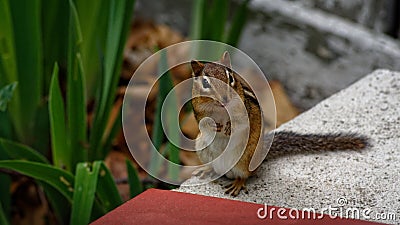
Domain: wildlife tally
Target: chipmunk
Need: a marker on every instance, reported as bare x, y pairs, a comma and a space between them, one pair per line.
212, 98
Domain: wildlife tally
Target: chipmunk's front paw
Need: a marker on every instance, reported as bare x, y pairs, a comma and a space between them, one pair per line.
203, 172
236, 186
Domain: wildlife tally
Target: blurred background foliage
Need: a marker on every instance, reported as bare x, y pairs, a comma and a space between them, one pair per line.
61, 55
60, 66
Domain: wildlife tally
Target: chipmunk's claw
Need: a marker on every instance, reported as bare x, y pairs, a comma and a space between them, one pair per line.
236, 186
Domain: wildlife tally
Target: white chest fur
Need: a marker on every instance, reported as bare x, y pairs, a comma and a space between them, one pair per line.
224, 151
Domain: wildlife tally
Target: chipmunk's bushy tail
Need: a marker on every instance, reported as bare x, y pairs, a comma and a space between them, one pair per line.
289, 141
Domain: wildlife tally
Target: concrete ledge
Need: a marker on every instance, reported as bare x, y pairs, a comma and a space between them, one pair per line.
366, 180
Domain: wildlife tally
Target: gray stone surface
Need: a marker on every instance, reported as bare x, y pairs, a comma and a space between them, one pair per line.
314, 53
374, 14
366, 179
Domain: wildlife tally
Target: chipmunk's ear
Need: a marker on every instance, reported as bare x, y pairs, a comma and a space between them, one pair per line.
197, 67
226, 59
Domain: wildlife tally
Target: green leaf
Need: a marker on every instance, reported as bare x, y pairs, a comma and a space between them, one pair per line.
118, 23
41, 143
5, 197
84, 192
55, 37
135, 186
107, 191
171, 120
116, 127
196, 28
13, 150
61, 180
26, 18
60, 204
97, 210
76, 93
6, 94
164, 87
218, 14
173, 156
8, 65
3, 217
93, 22
60, 150
7, 129
18, 151
237, 25
8, 61
76, 106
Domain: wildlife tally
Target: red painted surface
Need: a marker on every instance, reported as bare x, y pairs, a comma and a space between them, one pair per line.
168, 207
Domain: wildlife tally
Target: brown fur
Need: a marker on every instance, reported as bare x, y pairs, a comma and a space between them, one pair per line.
286, 142
203, 107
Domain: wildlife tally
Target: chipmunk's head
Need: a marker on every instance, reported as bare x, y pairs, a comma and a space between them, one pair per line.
215, 83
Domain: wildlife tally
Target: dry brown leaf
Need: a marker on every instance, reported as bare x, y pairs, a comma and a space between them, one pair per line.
144, 38
189, 126
285, 110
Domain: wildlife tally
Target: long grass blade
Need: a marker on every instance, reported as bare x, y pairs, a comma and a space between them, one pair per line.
5, 196
196, 28
157, 137
59, 203
6, 94
7, 129
218, 15
84, 192
55, 37
107, 191
173, 156
118, 23
171, 120
60, 150
61, 180
57, 184
8, 68
8, 65
238, 23
92, 18
115, 128
42, 129
13, 150
76, 96
17, 151
28, 46
3, 217
135, 186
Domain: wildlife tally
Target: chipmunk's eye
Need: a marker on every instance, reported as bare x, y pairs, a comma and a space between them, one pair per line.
230, 78
206, 83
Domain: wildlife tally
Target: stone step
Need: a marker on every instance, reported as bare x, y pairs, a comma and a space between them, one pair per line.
366, 180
